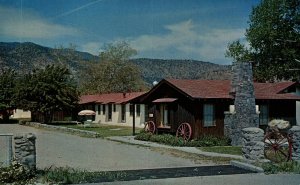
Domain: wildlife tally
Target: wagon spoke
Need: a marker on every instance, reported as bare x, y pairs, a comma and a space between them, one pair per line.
268, 144
283, 139
283, 153
270, 141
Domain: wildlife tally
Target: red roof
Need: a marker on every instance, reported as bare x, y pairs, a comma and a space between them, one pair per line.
117, 98
88, 99
203, 88
220, 89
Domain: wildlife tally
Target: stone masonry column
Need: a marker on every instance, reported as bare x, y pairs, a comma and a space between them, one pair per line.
25, 150
242, 90
253, 145
294, 133
228, 119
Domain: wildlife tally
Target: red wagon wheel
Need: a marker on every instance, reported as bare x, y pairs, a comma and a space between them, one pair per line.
150, 127
278, 146
185, 131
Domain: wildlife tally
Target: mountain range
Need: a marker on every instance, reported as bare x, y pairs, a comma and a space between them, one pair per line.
26, 56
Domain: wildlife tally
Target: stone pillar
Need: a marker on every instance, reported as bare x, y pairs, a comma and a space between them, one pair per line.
227, 123
253, 145
242, 90
25, 150
294, 133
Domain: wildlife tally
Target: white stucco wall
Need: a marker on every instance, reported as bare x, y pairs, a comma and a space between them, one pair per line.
116, 116
19, 113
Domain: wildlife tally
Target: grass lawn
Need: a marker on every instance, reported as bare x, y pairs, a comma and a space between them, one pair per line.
233, 150
108, 130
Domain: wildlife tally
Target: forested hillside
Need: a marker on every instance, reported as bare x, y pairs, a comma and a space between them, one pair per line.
26, 56
156, 69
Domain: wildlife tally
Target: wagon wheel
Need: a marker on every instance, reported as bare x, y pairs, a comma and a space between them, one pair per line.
150, 127
278, 146
185, 131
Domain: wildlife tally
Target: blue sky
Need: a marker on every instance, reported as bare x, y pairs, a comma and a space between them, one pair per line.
168, 29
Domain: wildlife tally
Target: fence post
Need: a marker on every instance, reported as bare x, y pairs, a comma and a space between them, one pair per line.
25, 150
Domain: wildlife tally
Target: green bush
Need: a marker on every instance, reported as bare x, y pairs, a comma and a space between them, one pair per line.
15, 173
67, 175
291, 166
168, 139
143, 136
209, 140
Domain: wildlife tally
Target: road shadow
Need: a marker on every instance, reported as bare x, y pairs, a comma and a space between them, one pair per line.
162, 173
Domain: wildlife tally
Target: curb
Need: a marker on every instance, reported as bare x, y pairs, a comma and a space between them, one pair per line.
64, 129
246, 166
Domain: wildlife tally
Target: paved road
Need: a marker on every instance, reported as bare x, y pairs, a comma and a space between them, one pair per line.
60, 149
243, 179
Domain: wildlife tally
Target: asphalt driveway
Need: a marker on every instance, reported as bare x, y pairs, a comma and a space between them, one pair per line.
60, 149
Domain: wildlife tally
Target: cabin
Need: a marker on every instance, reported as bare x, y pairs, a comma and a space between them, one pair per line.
114, 108
21, 114
202, 103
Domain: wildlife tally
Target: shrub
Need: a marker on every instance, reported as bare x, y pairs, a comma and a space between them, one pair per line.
209, 140
15, 173
64, 175
67, 175
143, 136
206, 140
291, 166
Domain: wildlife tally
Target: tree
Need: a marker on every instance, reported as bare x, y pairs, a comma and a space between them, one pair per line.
47, 90
7, 84
114, 72
274, 39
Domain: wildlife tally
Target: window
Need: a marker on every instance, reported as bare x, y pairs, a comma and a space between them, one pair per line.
123, 113
208, 115
103, 109
99, 109
109, 112
138, 110
114, 107
264, 114
131, 108
164, 115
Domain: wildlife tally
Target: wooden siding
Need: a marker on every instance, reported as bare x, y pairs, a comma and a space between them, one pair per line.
192, 112
219, 108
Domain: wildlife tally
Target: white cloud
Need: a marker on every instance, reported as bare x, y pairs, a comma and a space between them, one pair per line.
15, 23
190, 41
92, 47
